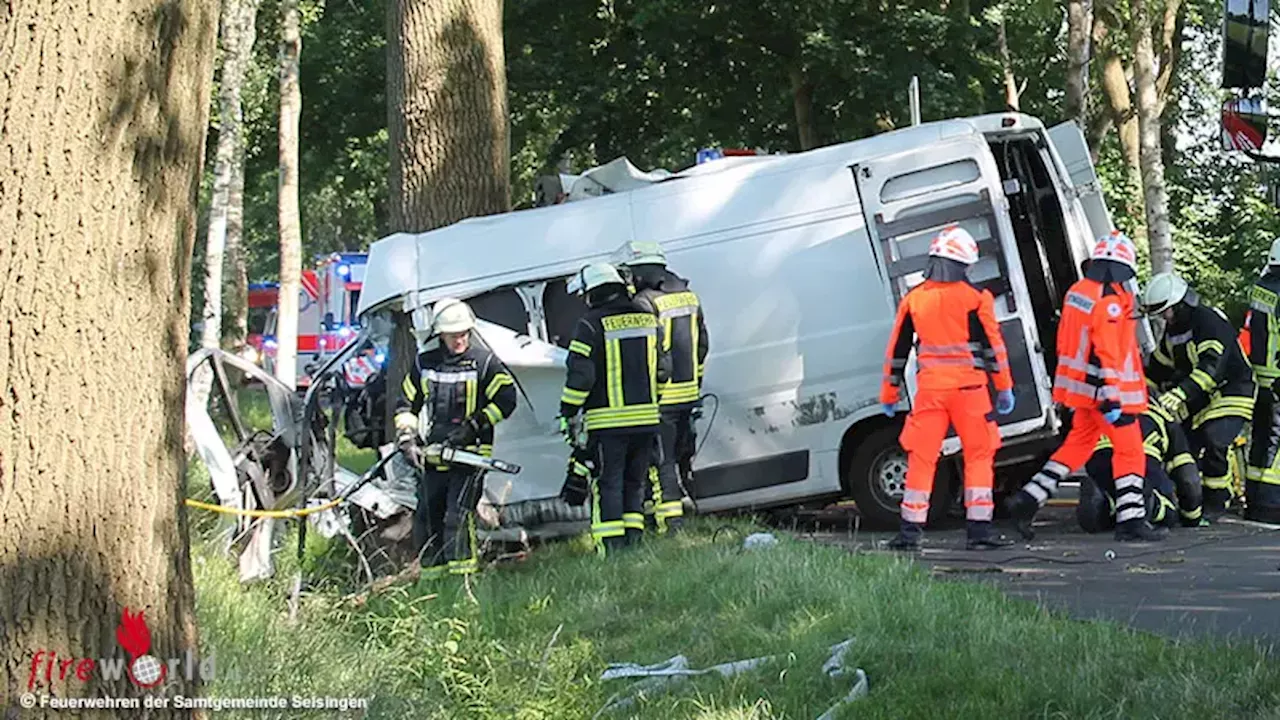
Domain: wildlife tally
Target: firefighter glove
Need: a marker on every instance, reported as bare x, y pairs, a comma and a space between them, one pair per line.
1004, 402
1112, 415
564, 429
577, 480
406, 421
888, 408
465, 434
1172, 401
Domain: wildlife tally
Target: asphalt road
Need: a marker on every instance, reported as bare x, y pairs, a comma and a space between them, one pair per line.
1223, 580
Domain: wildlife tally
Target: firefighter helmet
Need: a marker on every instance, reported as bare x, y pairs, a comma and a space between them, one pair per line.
593, 276
1163, 292
641, 253
1273, 257
1116, 247
955, 243
452, 315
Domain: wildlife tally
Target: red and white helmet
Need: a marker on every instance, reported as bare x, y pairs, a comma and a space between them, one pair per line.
955, 243
1117, 247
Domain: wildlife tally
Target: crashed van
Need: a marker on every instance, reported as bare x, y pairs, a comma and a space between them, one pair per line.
800, 261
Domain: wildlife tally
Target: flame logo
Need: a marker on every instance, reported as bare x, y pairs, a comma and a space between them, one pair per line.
133, 635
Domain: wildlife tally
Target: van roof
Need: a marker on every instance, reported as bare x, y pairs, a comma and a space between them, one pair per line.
480, 253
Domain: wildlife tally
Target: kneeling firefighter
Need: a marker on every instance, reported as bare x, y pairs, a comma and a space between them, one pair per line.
684, 329
1262, 331
959, 345
1172, 491
457, 392
1099, 377
615, 366
1207, 382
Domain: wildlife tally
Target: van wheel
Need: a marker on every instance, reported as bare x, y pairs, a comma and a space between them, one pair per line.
877, 477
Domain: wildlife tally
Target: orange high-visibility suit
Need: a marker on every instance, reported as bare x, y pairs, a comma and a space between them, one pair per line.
1099, 371
959, 343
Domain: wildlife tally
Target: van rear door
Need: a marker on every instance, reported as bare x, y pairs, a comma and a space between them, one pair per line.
907, 198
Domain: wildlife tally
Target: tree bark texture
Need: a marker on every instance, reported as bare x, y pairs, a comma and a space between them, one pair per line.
1079, 27
802, 99
238, 302
1115, 85
447, 112
1011, 94
1155, 198
286, 362
105, 109
237, 44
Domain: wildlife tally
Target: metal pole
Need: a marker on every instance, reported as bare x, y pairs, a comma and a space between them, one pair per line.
914, 90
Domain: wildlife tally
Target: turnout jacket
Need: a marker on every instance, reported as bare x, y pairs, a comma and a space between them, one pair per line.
474, 384
616, 364
1262, 329
685, 338
1204, 363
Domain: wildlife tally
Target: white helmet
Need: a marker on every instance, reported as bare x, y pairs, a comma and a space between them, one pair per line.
955, 243
1116, 247
452, 315
593, 276
640, 253
1163, 292
1273, 257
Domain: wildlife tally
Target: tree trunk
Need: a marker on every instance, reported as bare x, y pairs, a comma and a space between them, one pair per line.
1079, 26
234, 336
1159, 236
105, 113
236, 14
290, 225
1116, 87
802, 98
1011, 94
447, 112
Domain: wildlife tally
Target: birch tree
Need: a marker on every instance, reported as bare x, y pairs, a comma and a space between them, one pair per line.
1155, 197
290, 226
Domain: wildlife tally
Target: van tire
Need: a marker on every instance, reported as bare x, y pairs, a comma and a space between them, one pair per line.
879, 463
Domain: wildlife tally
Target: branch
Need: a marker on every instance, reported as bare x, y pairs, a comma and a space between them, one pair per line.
1170, 50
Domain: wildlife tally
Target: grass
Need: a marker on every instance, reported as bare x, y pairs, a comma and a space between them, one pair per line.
931, 649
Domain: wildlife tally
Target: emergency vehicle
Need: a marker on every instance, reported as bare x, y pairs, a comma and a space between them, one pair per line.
799, 261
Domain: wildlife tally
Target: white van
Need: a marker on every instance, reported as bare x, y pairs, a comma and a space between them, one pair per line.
799, 261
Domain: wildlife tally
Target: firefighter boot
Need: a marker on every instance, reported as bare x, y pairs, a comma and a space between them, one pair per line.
1023, 508
1139, 530
982, 536
908, 537
1216, 501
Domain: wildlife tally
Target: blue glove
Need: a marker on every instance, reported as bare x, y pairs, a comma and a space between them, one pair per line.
888, 408
1112, 415
1004, 402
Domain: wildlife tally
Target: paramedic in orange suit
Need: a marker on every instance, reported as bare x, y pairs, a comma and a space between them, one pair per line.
1100, 378
959, 344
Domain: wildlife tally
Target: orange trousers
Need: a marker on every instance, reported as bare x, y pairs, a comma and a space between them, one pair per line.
1128, 459
932, 413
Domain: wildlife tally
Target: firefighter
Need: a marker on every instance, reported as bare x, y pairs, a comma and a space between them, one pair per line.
454, 394
616, 363
1205, 380
959, 345
684, 330
1262, 330
1173, 490
1099, 377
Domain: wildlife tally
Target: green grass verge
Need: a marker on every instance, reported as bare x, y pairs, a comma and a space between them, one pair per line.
931, 649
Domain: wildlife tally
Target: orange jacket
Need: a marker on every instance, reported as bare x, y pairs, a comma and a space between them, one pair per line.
1099, 361
959, 340
1246, 337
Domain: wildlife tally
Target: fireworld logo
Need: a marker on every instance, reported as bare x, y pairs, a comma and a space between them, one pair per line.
142, 668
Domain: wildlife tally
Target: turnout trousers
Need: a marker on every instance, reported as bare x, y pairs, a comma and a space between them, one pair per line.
1262, 479
1128, 461
1211, 441
617, 497
932, 413
1096, 509
444, 525
664, 489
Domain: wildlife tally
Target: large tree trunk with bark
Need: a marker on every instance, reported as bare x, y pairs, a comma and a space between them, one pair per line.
1079, 28
802, 99
1156, 200
1011, 93
238, 301
237, 43
105, 111
290, 225
447, 112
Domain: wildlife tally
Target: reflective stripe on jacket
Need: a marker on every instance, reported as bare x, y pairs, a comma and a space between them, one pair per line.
1099, 361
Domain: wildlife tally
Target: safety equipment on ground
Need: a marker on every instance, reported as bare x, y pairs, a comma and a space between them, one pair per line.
593, 276
1163, 292
888, 408
1099, 360
452, 315
955, 243
1112, 415
1004, 402
640, 253
1116, 247
1273, 257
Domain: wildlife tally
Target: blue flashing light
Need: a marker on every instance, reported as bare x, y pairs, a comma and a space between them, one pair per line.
709, 154
344, 270
379, 357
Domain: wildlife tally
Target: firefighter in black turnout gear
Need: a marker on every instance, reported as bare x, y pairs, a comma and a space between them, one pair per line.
1206, 381
1173, 492
456, 393
684, 329
616, 363
1262, 476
